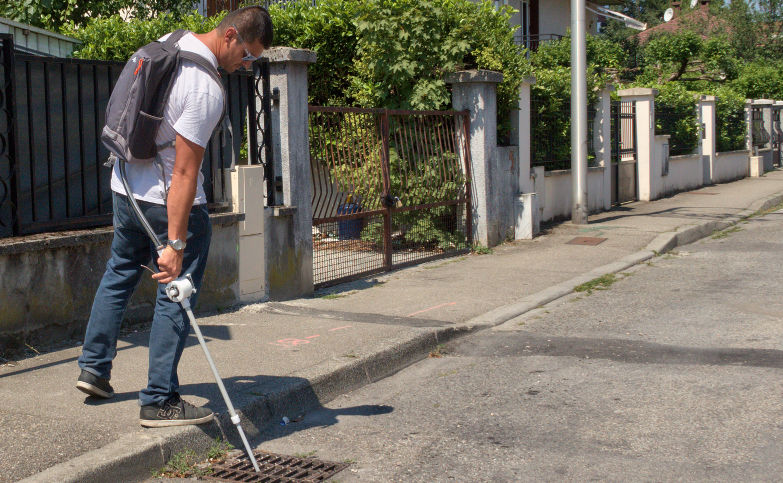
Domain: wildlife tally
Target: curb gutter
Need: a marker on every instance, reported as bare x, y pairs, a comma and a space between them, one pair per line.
132, 457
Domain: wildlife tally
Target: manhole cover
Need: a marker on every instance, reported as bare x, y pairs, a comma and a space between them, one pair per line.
275, 468
586, 240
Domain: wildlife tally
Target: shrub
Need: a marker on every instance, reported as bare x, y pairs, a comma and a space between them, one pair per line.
675, 115
112, 38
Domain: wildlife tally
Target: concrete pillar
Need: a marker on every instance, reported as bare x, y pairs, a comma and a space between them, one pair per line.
525, 180
602, 140
648, 167
749, 127
705, 110
288, 234
476, 92
526, 205
766, 116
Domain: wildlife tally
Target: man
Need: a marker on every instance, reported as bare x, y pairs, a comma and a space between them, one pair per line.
175, 205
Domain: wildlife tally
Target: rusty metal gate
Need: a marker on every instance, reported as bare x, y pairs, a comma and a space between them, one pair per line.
624, 158
390, 188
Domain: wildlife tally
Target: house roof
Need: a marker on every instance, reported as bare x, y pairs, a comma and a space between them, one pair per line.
33, 40
700, 17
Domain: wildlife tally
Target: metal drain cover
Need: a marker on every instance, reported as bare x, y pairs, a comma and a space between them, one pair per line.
586, 240
275, 468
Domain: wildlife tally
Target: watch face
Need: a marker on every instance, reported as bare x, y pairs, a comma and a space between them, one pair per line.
177, 244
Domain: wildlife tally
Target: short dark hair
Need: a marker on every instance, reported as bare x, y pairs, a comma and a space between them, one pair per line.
254, 23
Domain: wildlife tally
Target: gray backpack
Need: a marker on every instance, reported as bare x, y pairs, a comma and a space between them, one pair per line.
136, 106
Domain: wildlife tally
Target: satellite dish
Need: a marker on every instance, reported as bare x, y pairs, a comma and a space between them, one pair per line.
669, 14
694, 3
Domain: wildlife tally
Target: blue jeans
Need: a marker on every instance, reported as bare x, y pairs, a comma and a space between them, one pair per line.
130, 249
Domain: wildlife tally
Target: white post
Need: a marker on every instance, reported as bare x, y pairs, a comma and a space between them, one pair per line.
602, 139
707, 138
646, 165
579, 207
526, 204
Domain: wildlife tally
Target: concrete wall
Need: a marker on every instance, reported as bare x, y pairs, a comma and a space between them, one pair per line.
557, 192
47, 282
685, 173
766, 155
730, 166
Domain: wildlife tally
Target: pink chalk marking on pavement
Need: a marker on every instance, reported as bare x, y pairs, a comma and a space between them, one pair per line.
431, 308
293, 342
312, 336
340, 328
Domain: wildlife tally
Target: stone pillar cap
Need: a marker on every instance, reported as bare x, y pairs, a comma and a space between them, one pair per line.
474, 76
637, 91
702, 97
529, 80
289, 54
763, 102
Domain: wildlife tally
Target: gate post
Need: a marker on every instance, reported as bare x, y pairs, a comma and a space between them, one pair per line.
528, 221
288, 235
648, 167
765, 150
602, 139
476, 91
707, 142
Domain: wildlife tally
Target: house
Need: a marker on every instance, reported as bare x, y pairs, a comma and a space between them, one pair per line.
542, 20
698, 17
37, 41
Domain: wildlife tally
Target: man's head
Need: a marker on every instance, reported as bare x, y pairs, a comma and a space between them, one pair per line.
244, 34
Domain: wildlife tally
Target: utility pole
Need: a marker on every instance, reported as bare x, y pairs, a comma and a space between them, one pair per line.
578, 113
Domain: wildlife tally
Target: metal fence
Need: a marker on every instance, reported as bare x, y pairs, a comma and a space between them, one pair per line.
390, 188
681, 125
758, 131
52, 176
550, 134
730, 128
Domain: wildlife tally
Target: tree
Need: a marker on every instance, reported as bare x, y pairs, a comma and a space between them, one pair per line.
54, 14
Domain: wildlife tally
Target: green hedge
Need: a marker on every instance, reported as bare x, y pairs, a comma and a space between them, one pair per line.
675, 115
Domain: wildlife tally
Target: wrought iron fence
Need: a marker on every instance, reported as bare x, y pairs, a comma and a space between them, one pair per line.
758, 131
51, 159
550, 134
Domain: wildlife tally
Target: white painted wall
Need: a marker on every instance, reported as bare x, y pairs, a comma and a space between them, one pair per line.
730, 166
685, 173
558, 192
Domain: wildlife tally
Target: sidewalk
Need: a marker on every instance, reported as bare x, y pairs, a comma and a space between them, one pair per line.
282, 359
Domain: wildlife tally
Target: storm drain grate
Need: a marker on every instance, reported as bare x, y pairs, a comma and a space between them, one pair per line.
275, 468
586, 240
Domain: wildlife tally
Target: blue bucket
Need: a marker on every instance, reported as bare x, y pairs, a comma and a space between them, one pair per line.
349, 229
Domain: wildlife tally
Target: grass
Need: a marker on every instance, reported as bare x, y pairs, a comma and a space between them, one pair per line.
480, 249
187, 463
332, 296
601, 283
723, 234
309, 454
438, 352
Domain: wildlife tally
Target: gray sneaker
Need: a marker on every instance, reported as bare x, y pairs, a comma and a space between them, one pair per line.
93, 385
174, 412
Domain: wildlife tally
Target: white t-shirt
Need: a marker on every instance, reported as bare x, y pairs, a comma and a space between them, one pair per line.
193, 110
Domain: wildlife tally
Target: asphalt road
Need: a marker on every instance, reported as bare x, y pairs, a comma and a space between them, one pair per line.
673, 373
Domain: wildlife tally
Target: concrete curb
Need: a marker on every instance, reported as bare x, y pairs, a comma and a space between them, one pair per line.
133, 456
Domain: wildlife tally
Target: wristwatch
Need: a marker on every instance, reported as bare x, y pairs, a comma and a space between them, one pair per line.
177, 244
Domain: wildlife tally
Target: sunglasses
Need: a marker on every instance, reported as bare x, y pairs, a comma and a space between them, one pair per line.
248, 56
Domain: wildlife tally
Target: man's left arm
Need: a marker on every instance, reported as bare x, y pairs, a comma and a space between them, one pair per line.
182, 192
